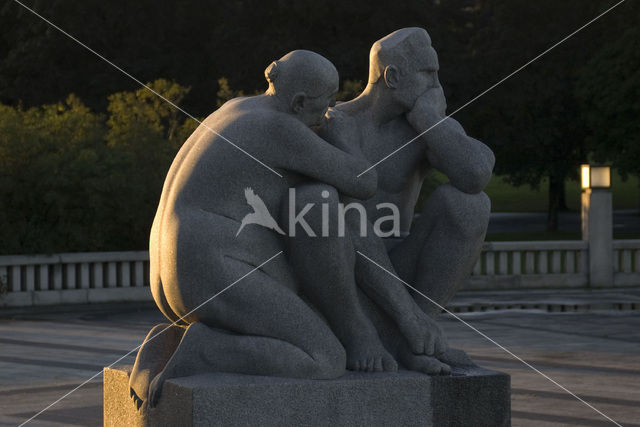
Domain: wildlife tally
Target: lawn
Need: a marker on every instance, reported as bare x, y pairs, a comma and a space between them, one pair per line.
507, 198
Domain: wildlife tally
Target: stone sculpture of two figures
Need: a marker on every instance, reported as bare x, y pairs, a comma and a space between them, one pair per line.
327, 273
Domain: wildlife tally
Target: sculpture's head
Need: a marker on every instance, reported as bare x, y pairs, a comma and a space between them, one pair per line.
305, 82
406, 63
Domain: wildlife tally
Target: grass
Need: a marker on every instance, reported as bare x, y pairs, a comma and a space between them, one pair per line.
507, 198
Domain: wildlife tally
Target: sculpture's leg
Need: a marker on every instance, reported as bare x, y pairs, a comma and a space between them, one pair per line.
205, 349
325, 264
444, 244
215, 280
259, 305
156, 349
271, 332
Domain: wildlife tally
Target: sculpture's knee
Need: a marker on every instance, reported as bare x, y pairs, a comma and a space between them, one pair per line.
466, 214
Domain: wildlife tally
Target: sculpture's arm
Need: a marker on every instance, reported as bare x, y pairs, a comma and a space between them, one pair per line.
342, 132
467, 162
302, 151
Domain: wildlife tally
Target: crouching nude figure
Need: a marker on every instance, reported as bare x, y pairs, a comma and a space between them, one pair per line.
200, 248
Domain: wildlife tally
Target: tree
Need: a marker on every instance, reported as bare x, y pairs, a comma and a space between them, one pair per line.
350, 90
193, 40
609, 90
71, 180
52, 171
532, 121
144, 134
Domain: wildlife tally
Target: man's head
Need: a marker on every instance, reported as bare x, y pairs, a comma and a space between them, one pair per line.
306, 82
405, 62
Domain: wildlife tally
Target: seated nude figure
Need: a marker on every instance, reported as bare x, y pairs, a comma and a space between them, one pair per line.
260, 325
403, 98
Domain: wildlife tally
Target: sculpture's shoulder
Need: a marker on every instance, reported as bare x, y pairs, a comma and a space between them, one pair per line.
241, 107
256, 109
253, 119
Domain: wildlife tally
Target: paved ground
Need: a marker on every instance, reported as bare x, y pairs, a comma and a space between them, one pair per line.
596, 355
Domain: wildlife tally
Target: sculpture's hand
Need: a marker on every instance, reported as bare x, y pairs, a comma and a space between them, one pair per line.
341, 131
429, 109
423, 334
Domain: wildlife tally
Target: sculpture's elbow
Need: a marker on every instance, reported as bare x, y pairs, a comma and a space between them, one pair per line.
482, 180
478, 172
483, 171
490, 160
476, 178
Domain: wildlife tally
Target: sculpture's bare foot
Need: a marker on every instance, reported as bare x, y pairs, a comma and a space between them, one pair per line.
184, 361
137, 400
171, 370
155, 388
423, 334
456, 357
152, 357
422, 363
369, 356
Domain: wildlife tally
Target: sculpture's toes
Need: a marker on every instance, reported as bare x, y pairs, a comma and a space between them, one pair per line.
136, 399
155, 390
380, 361
362, 364
370, 357
446, 369
389, 364
355, 364
138, 389
430, 365
456, 357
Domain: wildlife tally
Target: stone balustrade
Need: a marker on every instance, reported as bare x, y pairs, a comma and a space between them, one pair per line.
549, 264
124, 276
74, 278
626, 262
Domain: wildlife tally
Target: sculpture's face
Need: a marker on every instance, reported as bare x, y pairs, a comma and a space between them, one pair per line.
420, 75
314, 109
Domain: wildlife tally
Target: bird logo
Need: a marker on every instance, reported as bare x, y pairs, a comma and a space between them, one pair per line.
260, 214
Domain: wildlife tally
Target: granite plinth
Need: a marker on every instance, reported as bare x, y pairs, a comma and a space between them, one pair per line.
471, 397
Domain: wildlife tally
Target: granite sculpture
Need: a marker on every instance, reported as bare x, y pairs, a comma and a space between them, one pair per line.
330, 302
403, 108
195, 253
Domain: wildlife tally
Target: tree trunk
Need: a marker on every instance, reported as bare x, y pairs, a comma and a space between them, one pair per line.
562, 198
555, 185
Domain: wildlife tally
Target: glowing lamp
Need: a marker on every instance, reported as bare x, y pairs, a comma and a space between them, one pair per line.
595, 176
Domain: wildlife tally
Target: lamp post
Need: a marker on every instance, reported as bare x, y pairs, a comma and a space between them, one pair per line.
597, 223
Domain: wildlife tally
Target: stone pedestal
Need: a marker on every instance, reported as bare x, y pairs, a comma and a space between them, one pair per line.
471, 397
597, 229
